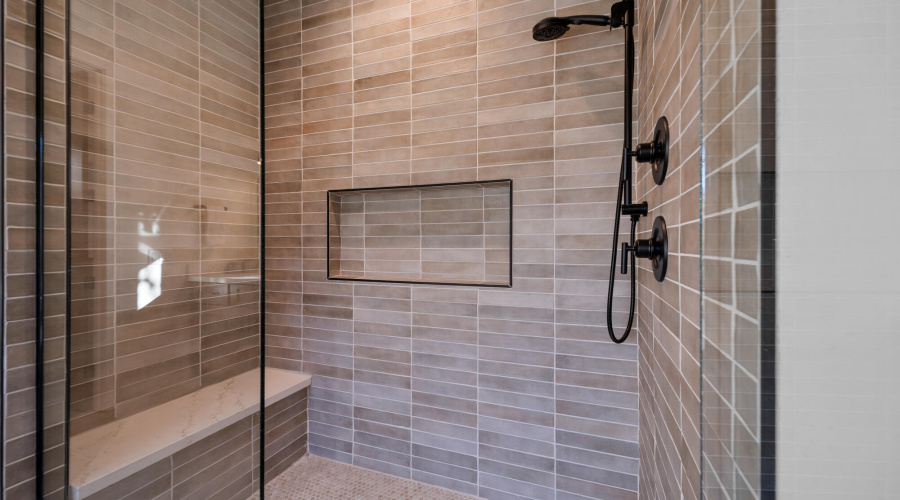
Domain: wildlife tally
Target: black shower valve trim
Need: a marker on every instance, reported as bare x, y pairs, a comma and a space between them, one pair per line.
655, 152
655, 249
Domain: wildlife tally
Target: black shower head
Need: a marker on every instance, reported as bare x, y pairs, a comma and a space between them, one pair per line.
552, 28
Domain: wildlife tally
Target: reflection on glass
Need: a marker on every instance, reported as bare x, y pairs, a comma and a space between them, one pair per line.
733, 260
149, 283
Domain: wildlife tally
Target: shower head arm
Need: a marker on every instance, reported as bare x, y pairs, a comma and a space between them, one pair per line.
622, 14
590, 20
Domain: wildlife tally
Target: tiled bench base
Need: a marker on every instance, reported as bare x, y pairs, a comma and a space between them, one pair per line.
223, 464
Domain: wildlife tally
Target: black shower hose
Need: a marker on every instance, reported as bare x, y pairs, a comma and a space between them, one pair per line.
612, 265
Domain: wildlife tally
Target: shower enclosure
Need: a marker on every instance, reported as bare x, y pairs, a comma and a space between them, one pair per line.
158, 163
207, 203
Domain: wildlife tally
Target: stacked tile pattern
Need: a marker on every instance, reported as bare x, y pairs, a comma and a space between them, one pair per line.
669, 312
224, 465
283, 113
733, 122
165, 141
19, 238
497, 393
447, 234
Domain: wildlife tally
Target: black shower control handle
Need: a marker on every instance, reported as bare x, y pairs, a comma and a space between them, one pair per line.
655, 249
643, 249
649, 151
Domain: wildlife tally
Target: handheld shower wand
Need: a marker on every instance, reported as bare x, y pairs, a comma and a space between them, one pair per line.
656, 153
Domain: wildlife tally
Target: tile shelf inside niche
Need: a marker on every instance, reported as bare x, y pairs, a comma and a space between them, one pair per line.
421, 281
438, 234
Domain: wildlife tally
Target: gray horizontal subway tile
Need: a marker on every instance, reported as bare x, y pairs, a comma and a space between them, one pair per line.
575, 489
466, 487
469, 475
380, 461
431, 438
601, 444
425, 386
518, 400
445, 415
465, 430
597, 460
543, 463
516, 443
398, 445
504, 488
463, 460
373, 408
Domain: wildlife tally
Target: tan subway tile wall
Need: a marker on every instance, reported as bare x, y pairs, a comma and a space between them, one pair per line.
284, 126
165, 178
669, 312
19, 238
497, 393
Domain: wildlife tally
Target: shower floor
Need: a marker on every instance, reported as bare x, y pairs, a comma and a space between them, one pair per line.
317, 478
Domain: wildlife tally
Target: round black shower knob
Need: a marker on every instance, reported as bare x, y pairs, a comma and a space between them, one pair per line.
656, 249
660, 258
656, 152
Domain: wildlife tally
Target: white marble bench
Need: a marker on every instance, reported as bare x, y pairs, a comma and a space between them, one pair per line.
104, 455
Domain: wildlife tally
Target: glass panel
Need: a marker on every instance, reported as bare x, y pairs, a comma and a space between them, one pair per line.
165, 247
734, 256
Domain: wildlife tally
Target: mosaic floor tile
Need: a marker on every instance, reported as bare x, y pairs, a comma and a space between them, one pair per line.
317, 478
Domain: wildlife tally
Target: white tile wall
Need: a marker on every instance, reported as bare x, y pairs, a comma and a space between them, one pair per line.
838, 288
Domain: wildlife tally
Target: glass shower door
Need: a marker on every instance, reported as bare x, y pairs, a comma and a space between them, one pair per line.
165, 245
737, 255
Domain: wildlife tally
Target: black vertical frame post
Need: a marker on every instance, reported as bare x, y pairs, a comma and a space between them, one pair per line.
39, 247
68, 335
262, 250
768, 218
3, 247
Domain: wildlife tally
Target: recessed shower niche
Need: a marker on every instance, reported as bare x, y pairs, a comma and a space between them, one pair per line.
454, 234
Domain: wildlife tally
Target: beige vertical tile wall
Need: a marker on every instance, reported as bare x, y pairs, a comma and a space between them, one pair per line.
165, 150
283, 114
19, 404
498, 393
733, 97
669, 312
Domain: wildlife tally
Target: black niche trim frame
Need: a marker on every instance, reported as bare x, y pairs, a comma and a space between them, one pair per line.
416, 186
